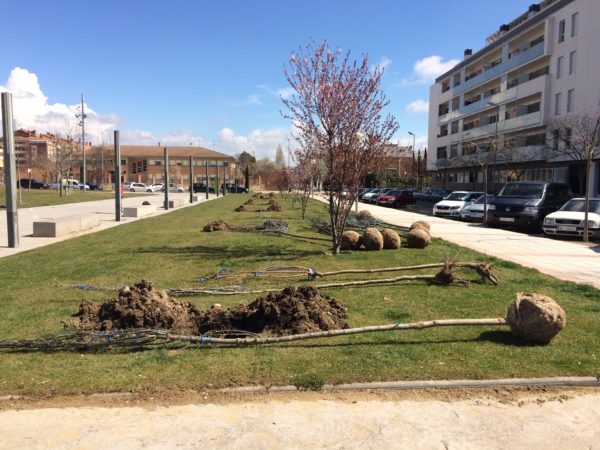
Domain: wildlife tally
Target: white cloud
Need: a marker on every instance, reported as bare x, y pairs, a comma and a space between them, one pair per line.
285, 92
383, 64
426, 70
31, 109
418, 106
261, 143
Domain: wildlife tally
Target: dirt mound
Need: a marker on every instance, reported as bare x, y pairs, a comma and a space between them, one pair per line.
217, 225
142, 306
291, 311
249, 202
294, 310
240, 209
364, 213
273, 207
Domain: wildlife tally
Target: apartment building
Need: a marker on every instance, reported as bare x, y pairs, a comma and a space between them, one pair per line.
496, 110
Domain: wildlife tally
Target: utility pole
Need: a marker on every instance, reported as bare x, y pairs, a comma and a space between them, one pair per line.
81, 115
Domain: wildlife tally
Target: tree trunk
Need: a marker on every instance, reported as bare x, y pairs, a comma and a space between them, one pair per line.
588, 167
485, 198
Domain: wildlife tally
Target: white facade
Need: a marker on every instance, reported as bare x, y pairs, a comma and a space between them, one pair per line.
543, 66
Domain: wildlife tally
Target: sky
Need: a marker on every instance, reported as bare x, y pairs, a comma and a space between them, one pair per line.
211, 73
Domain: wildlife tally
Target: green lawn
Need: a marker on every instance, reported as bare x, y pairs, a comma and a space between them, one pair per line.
39, 197
171, 251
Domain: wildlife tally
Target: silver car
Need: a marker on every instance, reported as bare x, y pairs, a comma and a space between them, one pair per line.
139, 187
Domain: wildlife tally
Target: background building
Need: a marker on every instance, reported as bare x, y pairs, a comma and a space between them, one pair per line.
497, 110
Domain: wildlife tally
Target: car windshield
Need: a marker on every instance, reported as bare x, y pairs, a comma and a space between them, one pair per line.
522, 190
578, 205
458, 196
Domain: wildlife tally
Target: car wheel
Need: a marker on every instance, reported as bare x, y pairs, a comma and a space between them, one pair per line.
131, 190
148, 190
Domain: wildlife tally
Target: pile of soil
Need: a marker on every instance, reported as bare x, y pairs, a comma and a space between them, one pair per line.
142, 306
249, 202
217, 225
240, 209
293, 310
273, 206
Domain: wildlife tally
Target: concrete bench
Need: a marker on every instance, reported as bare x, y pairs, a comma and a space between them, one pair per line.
62, 226
139, 211
177, 202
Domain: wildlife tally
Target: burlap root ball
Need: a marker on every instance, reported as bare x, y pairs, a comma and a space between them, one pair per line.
421, 224
535, 317
372, 239
145, 203
418, 238
364, 213
391, 239
351, 240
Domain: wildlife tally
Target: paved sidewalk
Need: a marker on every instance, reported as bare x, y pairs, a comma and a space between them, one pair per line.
567, 260
104, 208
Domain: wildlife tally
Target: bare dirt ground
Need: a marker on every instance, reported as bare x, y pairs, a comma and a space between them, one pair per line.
500, 418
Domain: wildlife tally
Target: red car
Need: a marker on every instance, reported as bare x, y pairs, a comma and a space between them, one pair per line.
397, 198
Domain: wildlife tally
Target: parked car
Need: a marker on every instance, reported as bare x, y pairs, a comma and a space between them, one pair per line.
233, 188
96, 187
201, 187
452, 205
385, 191
569, 219
367, 196
76, 184
396, 198
139, 187
435, 195
35, 184
474, 211
173, 188
524, 204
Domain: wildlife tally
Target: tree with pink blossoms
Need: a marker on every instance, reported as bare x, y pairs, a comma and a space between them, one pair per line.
337, 110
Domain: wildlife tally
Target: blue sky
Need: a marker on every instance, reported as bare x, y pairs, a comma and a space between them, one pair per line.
210, 73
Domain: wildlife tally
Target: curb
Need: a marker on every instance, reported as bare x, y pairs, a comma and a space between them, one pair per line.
441, 384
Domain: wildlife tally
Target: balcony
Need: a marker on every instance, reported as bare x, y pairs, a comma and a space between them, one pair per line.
497, 70
528, 88
524, 121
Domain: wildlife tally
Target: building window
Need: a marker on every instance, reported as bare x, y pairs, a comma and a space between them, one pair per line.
441, 153
574, 24
557, 104
453, 150
572, 61
158, 162
561, 31
555, 139
145, 165
558, 66
570, 100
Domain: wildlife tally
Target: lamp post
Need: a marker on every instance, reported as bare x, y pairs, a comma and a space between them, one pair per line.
81, 115
413, 150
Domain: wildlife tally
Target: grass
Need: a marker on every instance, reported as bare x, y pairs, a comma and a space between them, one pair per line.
39, 197
171, 251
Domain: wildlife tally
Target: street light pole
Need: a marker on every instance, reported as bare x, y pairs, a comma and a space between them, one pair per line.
413, 151
82, 123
